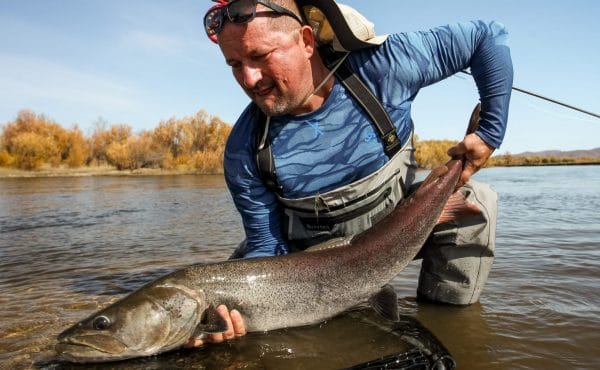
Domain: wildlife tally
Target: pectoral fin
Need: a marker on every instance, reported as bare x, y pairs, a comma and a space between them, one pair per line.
457, 206
211, 322
385, 303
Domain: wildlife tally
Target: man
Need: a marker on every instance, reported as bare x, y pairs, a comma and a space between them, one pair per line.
325, 155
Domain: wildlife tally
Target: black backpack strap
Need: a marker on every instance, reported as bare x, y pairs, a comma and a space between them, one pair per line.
264, 155
365, 98
361, 93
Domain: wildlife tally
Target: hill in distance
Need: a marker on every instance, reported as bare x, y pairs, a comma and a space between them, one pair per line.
590, 153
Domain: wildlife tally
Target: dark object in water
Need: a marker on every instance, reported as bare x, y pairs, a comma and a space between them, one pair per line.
356, 339
428, 352
415, 359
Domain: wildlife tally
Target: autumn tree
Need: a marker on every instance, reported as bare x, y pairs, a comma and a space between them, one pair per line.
103, 136
432, 153
31, 150
78, 149
193, 143
32, 140
133, 153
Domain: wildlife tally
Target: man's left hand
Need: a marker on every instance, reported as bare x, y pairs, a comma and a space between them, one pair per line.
235, 328
476, 152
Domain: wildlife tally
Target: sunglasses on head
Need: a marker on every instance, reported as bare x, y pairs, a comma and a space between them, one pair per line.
238, 12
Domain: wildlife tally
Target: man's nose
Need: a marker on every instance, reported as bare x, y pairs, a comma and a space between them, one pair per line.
251, 76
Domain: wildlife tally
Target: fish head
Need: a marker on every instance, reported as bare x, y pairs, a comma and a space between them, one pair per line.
152, 320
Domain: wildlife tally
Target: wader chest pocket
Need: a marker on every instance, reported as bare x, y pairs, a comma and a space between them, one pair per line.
326, 222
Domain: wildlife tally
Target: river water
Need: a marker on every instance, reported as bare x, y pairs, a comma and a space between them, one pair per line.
71, 245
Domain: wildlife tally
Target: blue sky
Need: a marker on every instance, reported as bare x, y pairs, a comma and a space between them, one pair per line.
139, 62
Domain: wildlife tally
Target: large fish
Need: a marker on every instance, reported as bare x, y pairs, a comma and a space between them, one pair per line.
271, 293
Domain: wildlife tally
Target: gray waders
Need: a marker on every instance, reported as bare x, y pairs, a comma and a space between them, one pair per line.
458, 255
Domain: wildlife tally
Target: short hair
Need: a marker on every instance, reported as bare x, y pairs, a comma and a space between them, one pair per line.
283, 22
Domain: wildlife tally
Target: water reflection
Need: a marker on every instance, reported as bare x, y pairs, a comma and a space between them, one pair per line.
69, 246
464, 330
331, 345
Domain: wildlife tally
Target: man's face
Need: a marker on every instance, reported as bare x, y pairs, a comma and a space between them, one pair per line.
272, 67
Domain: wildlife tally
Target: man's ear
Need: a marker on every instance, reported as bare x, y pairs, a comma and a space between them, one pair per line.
308, 40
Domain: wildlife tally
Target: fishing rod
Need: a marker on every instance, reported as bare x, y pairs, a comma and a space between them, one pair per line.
549, 99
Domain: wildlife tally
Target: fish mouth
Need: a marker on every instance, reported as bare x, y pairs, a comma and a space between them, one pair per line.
91, 348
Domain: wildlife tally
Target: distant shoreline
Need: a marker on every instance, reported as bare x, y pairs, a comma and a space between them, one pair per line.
93, 171
550, 164
112, 171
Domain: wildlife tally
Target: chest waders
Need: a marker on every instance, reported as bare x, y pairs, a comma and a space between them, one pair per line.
458, 255
352, 208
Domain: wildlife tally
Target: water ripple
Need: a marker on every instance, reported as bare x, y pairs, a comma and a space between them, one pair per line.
71, 246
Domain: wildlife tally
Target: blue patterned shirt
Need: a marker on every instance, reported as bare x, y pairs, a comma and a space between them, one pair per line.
337, 144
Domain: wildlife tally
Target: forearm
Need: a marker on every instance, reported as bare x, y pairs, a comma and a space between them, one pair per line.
492, 70
259, 209
420, 59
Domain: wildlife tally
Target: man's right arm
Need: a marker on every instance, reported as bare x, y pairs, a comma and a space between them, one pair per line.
258, 207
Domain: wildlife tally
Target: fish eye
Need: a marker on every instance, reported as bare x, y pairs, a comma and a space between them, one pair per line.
101, 323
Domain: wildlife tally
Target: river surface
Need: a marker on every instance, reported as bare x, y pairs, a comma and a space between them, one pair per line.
69, 246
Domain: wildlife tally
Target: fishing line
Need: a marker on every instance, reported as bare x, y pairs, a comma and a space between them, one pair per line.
553, 113
539, 96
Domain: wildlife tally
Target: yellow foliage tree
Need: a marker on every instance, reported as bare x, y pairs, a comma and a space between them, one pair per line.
119, 156
432, 153
208, 162
31, 150
6, 159
191, 143
144, 151
56, 145
78, 149
175, 136
194, 142
103, 137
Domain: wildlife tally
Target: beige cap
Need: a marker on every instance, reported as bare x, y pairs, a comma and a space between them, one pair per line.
352, 30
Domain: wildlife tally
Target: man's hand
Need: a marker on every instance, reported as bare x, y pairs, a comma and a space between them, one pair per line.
476, 152
235, 328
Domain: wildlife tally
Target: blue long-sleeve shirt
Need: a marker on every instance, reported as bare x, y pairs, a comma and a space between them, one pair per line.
337, 144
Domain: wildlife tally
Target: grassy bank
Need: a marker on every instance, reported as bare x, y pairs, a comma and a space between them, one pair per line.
65, 171
508, 160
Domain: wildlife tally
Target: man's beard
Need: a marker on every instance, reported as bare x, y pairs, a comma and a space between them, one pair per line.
279, 106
